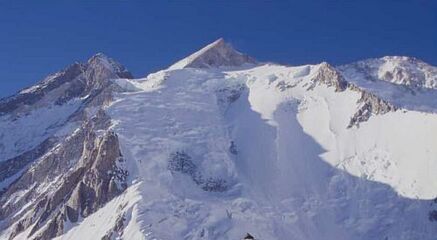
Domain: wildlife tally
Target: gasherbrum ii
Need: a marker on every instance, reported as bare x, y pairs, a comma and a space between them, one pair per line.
220, 146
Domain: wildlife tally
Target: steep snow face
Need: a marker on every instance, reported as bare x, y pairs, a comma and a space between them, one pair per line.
216, 54
190, 127
216, 147
368, 151
267, 150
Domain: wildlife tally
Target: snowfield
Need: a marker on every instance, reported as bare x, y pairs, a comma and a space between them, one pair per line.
290, 165
215, 152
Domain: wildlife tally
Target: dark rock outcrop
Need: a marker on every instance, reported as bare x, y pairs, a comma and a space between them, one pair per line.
370, 104
329, 76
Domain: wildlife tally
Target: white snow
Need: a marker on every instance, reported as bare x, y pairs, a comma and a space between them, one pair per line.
299, 172
40, 85
21, 133
291, 167
101, 222
399, 70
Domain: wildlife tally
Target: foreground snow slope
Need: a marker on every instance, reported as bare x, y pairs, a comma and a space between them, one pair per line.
289, 165
218, 145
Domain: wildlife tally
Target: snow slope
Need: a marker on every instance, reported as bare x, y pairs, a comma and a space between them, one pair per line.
221, 147
24, 133
294, 168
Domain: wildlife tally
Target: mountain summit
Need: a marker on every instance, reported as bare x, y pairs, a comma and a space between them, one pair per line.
102, 62
308, 152
217, 54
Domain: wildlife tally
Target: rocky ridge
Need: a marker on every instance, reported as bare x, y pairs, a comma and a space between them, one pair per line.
69, 176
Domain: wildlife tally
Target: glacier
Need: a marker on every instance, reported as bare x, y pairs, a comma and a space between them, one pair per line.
219, 145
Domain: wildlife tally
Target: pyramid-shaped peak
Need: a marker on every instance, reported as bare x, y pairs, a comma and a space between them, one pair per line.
216, 54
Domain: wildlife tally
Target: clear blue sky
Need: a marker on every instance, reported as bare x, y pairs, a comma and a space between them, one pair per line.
42, 37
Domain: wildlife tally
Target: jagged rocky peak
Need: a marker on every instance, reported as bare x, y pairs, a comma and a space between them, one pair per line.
100, 69
216, 54
103, 63
91, 165
76, 80
408, 71
86, 154
370, 104
328, 75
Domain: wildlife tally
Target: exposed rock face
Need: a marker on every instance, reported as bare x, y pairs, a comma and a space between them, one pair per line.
77, 80
216, 54
90, 164
68, 177
370, 105
100, 70
36, 93
329, 76
12, 166
78, 167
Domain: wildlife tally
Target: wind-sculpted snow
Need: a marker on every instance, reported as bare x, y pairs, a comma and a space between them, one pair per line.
216, 147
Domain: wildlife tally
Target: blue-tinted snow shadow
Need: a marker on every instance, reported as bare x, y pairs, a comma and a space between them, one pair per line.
354, 207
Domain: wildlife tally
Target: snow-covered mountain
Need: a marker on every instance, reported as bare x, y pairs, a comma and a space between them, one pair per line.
219, 145
407, 71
